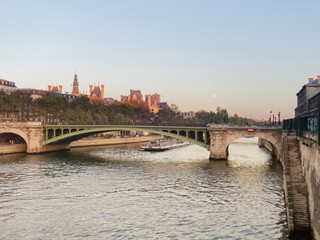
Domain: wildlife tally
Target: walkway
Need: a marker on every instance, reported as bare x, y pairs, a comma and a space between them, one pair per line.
297, 195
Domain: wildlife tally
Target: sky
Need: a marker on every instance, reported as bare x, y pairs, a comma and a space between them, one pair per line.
248, 56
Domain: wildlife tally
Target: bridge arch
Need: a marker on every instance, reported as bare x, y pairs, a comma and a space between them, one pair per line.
77, 133
13, 141
17, 132
222, 138
271, 147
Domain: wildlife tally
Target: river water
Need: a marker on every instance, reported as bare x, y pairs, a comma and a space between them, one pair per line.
120, 192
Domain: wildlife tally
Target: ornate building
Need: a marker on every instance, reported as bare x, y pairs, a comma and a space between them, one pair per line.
96, 93
153, 102
135, 95
75, 89
55, 89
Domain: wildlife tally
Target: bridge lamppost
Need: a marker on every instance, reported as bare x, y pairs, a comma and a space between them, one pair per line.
270, 117
279, 118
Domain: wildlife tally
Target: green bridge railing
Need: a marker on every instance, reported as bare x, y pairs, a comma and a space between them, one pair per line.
301, 125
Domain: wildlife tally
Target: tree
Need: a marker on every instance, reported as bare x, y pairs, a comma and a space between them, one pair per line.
174, 108
51, 106
82, 102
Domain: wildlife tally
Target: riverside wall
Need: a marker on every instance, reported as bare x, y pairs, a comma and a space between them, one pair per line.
22, 148
13, 148
265, 144
112, 141
310, 160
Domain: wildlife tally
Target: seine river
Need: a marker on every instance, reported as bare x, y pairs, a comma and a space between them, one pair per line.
124, 193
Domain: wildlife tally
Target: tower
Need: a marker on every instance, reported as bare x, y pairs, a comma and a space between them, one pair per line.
75, 89
102, 91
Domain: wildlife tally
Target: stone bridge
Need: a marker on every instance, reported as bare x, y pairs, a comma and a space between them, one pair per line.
222, 135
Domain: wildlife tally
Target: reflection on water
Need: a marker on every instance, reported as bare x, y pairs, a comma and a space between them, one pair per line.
122, 192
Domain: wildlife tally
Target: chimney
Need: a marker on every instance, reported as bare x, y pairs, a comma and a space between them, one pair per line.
318, 78
102, 91
90, 91
60, 88
49, 88
310, 80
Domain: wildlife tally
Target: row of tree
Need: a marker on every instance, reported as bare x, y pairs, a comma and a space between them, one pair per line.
56, 108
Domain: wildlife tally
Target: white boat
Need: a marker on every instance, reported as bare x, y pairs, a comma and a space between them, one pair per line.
164, 144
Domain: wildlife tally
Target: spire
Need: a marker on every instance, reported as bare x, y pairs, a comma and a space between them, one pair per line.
75, 89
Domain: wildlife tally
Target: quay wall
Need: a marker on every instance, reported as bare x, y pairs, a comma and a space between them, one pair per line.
265, 144
13, 148
310, 159
20, 148
111, 141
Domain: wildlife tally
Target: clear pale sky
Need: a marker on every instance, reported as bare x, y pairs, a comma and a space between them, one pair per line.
248, 56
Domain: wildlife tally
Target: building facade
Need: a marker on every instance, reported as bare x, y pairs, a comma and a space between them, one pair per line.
55, 88
7, 86
96, 93
308, 98
190, 114
153, 102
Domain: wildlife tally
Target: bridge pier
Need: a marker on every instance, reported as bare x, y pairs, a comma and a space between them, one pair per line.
218, 146
33, 134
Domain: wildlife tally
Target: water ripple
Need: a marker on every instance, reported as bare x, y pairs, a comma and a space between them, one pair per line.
122, 192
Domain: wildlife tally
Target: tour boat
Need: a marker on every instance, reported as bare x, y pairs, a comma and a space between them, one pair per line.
164, 144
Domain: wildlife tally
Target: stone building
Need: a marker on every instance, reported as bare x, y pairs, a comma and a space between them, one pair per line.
55, 88
308, 98
135, 95
153, 102
95, 93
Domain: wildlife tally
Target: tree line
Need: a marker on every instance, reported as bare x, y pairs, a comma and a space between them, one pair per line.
52, 107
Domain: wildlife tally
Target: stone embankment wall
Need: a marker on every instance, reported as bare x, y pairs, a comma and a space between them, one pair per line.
20, 148
112, 141
310, 160
12, 148
264, 143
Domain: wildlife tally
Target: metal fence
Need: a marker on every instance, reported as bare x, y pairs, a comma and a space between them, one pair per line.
302, 125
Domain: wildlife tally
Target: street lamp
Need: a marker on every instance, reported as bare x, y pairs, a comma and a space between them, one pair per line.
270, 117
279, 118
